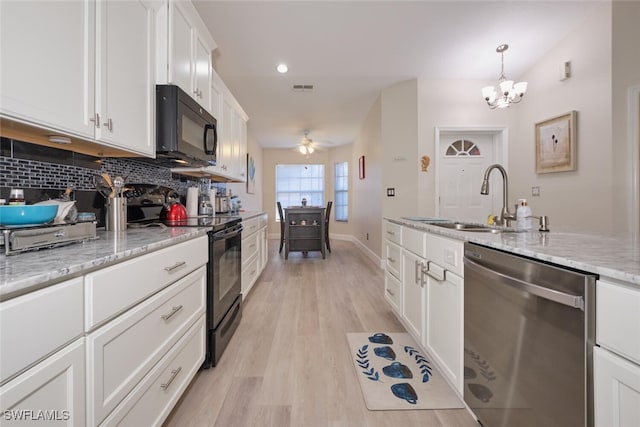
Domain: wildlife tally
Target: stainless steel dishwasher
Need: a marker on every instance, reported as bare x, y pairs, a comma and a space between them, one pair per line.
529, 331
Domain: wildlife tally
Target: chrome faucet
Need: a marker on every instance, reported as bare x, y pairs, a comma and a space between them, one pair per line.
505, 217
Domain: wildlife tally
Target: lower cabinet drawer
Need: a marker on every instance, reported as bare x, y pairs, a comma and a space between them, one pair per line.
114, 289
250, 247
618, 319
250, 273
152, 400
393, 291
123, 351
394, 259
38, 323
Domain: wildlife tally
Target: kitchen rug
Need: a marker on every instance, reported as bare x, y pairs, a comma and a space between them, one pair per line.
395, 374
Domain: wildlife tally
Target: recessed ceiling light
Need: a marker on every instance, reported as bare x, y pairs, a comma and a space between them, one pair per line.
282, 68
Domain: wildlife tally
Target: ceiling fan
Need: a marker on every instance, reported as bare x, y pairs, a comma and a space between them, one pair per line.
307, 146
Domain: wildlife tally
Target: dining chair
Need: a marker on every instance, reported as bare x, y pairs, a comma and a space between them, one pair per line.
281, 215
326, 225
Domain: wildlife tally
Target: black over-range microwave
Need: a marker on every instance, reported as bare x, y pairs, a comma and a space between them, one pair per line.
186, 134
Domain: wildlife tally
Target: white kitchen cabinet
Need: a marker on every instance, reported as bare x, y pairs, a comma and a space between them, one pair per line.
82, 68
393, 265
231, 162
33, 326
47, 74
189, 46
393, 292
413, 293
254, 251
616, 360
154, 397
444, 338
125, 80
617, 390
51, 391
152, 328
429, 278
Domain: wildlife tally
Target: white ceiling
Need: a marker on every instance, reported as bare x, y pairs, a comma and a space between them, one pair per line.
351, 50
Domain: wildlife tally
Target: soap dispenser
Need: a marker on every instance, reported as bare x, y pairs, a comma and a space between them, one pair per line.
524, 220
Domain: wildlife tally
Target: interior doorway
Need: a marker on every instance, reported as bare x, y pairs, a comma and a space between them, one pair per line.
462, 156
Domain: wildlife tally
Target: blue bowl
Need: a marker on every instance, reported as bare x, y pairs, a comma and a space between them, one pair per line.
27, 214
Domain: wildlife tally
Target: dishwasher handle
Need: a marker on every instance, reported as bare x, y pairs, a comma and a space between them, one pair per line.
573, 301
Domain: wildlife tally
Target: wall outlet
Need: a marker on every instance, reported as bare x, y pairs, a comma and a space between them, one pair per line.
535, 191
391, 192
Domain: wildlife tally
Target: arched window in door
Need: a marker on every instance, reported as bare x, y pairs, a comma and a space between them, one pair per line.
462, 147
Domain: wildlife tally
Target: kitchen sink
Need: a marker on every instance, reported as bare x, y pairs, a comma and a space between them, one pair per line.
462, 226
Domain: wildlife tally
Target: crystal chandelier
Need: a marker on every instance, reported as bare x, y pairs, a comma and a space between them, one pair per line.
506, 93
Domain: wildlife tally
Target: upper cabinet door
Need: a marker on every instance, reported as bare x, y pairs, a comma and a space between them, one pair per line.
47, 64
181, 67
125, 79
202, 77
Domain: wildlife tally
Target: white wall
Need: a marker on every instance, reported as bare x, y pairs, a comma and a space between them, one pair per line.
626, 75
366, 204
580, 198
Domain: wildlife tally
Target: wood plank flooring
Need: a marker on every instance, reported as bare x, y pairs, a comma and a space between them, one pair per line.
288, 363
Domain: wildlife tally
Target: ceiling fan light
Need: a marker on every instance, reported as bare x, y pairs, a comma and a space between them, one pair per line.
310, 149
302, 149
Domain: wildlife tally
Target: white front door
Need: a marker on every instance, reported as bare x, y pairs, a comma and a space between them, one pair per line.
462, 159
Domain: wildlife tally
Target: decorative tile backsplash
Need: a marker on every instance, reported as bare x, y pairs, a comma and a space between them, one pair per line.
25, 165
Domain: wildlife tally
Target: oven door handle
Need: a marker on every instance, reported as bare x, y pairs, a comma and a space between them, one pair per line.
573, 301
225, 234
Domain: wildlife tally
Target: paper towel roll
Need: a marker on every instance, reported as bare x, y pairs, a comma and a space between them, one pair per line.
212, 199
192, 201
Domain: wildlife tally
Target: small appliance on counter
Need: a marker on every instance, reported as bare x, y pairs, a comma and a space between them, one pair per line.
222, 204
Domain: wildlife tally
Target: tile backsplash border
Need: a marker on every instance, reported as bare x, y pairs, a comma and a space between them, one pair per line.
26, 165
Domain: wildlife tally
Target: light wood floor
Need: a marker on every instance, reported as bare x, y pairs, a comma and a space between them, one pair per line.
288, 363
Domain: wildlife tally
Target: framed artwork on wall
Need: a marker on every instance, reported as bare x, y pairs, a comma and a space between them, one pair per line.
251, 175
556, 144
361, 167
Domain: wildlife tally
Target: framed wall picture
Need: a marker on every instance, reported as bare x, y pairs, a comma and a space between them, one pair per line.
361, 167
556, 144
251, 175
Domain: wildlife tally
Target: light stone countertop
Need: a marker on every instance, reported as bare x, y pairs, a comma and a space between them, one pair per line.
610, 255
28, 271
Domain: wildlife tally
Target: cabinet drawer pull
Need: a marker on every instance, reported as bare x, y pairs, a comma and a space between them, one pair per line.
252, 246
391, 233
252, 273
391, 293
174, 374
176, 265
174, 310
391, 259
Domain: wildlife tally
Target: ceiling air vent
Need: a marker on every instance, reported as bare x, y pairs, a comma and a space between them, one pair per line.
302, 88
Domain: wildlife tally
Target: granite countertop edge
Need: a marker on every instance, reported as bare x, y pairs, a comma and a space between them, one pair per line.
610, 255
29, 271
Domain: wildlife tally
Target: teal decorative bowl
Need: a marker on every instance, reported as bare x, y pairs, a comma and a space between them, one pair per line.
27, 214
